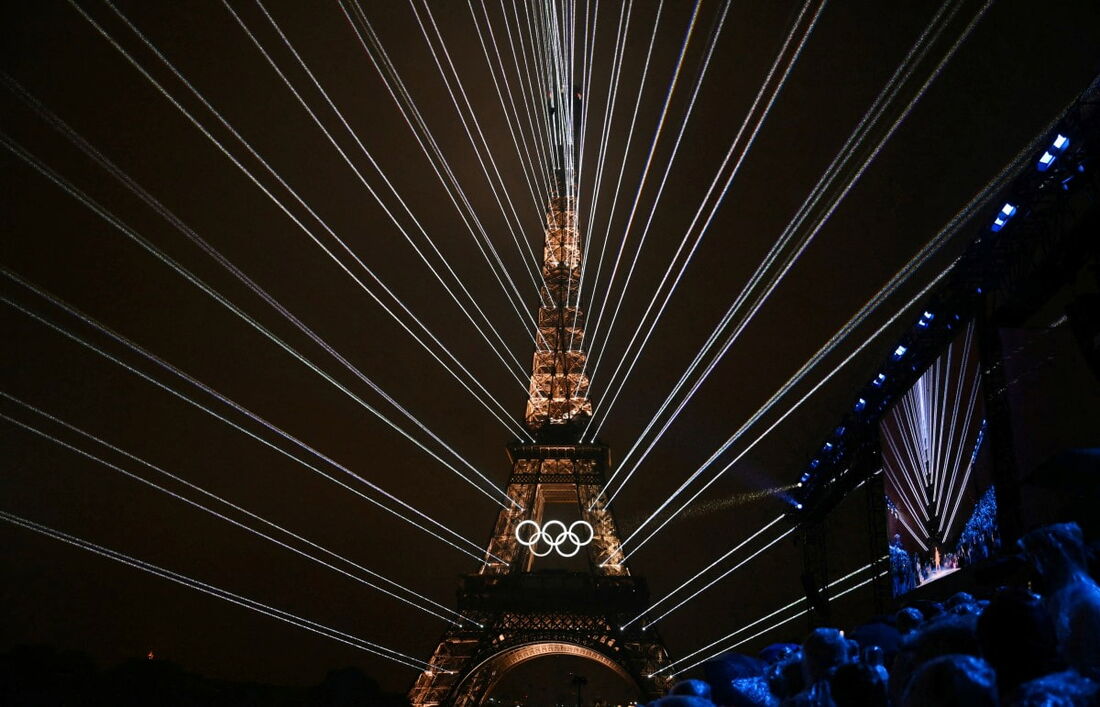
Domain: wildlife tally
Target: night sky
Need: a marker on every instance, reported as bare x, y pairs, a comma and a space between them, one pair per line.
1022, 64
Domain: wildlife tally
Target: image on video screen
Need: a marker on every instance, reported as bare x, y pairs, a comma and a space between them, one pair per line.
940, 502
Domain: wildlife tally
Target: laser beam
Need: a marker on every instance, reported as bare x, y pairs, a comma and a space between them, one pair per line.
254, 417
123, 228
207, 509
484, 398
756, 622
706, 569
225, 595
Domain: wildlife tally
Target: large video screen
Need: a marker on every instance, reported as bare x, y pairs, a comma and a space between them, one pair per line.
941, 503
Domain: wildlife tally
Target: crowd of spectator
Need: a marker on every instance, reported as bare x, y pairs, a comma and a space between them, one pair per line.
1029, 646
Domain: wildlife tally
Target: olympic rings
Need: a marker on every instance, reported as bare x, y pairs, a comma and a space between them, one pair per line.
552, 540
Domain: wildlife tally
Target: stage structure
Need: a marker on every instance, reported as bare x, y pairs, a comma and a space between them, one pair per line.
1028, 239
528, 605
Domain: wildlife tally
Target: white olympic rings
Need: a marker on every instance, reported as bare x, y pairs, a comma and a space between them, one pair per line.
554, 541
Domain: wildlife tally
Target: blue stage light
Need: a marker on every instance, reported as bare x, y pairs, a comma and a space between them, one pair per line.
899, 352
879, 380
828, 447
804, 479
860, 405
1058, 147
840, 431
814, 463
1007, 211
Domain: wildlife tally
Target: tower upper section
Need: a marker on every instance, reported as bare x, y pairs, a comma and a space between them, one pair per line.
558, 396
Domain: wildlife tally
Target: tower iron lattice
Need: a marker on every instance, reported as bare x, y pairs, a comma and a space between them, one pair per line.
523, 612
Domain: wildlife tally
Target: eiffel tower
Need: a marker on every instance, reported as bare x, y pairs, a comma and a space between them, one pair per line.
528, 613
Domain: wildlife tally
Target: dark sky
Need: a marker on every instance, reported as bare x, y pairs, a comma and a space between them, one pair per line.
1022, 64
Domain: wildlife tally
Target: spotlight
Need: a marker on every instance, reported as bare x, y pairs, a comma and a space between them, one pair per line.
879, 380
925, 319
798, 506
1007, 211
861, 404
1058, 147
899, 352
799, 484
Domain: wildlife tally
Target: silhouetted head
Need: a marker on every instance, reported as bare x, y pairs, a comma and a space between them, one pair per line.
930, 609
1068, 689
959, 598
777, 652
952, 681
748, 692
1017, 636
878, 634
908, 619
728, 669
823, 650
945, 636
1057, 553
691, 688
858, 685
732, 666
785, 677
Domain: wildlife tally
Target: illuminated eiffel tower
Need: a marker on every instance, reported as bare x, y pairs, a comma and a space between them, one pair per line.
527, 612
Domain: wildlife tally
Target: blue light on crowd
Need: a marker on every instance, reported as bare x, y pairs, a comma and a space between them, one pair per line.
1007, 211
